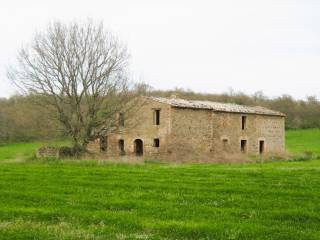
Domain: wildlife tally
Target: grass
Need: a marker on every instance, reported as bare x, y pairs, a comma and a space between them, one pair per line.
21, 151
307, 140
17, 151
90, 200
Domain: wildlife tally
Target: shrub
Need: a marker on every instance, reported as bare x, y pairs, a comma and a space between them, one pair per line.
65, 152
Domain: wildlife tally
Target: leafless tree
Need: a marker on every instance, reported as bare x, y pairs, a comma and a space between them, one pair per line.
80, 70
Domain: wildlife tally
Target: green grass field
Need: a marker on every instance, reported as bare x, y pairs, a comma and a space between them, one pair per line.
89, 200
303, 141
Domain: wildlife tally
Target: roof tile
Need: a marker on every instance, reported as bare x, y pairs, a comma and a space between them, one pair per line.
216, 106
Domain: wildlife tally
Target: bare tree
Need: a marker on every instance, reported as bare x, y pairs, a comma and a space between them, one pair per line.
80, 70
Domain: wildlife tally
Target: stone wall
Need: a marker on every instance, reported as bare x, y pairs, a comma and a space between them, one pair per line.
228, 133
189, 131
218, 132
139, 125
48, 152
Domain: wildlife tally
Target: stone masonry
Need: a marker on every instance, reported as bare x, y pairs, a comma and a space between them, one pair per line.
161, 126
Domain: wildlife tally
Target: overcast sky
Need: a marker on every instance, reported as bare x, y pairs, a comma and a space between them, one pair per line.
207, 46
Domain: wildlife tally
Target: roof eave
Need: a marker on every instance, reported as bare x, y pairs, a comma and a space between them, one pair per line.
207, 108
221, 111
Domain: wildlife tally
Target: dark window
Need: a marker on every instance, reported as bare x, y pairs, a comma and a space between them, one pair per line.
156, 142
261, 147
156, 117
121, 146
224, 143
243, 122
103, 143
121, 119
243, 145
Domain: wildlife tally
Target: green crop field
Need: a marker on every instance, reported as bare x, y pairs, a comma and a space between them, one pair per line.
90, 200
303, 141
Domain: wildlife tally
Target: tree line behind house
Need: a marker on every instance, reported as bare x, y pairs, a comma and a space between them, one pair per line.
22, 120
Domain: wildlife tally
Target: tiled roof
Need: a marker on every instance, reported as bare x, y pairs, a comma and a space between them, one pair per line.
216, 106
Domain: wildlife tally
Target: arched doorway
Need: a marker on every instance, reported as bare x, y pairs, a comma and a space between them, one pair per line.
138, 147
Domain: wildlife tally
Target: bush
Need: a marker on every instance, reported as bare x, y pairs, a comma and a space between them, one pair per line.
65, 152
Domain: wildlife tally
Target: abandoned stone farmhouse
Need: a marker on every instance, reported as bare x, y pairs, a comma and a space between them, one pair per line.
162, 126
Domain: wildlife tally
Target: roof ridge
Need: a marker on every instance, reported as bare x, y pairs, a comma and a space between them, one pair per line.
217, 106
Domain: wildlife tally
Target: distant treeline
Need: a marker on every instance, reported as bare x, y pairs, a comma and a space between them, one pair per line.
22, 120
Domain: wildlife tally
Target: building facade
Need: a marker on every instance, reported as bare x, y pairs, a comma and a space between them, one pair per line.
164, 126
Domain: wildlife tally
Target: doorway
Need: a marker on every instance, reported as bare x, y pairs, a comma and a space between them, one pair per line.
243, 146
138, 147
121, 147
261, 147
